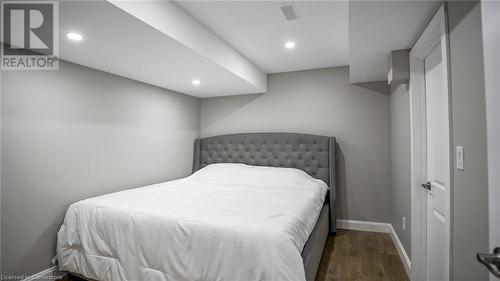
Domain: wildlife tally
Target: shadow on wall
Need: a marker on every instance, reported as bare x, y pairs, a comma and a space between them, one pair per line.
469, 198
461, 9
46, 242
380, 87
227, 105
340, 183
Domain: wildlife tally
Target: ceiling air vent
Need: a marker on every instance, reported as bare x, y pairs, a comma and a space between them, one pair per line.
289, 11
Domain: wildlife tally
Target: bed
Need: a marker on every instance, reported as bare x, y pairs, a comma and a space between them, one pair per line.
258, 206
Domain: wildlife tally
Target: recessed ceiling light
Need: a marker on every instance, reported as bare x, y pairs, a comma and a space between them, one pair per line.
196, 82
289, 45
74, 36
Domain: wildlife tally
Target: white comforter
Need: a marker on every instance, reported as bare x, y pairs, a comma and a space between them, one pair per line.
226, 222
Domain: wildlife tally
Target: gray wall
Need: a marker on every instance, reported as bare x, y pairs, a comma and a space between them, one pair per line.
470, 190
76, 133
400, 164
321, 102
491, 44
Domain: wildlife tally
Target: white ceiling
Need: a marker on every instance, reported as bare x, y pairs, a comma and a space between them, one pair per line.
118, 42
231, 45
378, 27
258, 30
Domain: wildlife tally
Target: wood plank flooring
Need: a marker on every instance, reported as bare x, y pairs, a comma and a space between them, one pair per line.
360, 256
355, 256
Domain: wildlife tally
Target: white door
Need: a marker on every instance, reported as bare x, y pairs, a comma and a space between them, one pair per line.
438, 175
430, 150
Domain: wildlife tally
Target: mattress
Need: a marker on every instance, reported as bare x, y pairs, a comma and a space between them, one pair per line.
226, 222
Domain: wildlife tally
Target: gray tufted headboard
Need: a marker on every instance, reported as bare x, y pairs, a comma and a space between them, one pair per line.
311, 153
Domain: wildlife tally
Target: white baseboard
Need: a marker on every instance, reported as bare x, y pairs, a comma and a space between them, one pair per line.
401, 250
48, 274
379, 227
364, 226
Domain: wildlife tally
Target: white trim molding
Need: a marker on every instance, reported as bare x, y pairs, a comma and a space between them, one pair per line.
51, 273
401, 251
382, 228
364, 226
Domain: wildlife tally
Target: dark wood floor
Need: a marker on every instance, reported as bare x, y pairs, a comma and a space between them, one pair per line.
356, 256
360, 256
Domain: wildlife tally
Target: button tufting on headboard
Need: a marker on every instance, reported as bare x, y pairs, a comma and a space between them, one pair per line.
311, 153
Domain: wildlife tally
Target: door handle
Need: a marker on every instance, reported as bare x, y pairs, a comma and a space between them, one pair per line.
427, 185
491, 261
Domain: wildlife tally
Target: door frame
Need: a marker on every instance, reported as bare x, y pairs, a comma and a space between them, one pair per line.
434, 34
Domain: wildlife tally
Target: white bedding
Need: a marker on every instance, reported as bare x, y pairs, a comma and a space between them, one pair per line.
226, 222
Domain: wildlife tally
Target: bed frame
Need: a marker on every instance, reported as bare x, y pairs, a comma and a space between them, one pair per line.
311, 153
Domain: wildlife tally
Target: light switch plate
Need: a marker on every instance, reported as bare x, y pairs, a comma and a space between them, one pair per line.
460, 158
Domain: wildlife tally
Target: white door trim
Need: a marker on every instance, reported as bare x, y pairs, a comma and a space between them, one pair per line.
364, 226
435, 33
